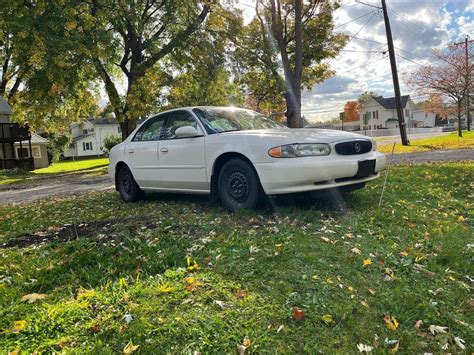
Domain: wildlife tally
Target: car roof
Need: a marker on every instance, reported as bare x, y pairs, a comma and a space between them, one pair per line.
190, 108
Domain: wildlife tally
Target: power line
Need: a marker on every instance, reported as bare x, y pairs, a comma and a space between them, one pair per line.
363, 3
346, 23
362, 51
362, 27
399, 55
406, 20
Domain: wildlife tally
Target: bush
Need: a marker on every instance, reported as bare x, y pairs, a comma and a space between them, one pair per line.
111, 141
56, 145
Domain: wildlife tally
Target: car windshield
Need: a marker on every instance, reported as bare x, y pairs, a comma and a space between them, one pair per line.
228, 119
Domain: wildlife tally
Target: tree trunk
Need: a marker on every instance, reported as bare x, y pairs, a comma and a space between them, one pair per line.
293, 108
127, 126
459, 119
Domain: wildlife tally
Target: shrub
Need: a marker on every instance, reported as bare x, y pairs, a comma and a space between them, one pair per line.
110, 141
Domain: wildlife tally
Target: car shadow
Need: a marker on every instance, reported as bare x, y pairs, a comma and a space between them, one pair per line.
328, 200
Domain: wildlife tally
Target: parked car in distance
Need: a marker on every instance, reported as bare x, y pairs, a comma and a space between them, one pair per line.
238, 155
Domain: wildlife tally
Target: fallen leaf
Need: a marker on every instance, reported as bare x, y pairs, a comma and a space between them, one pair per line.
367, 262
327, 318
33, 297
241, 293
435, 329
372, 292
355, 251
127, 318
395, 348
418, 324
297, 314
390, 322
220, 303
461, 219
246, 342
364, 348
19, 325
241, 349
460, 342
130, 348
280, 328
326, 240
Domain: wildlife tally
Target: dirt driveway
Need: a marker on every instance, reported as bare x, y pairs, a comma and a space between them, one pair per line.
76, 185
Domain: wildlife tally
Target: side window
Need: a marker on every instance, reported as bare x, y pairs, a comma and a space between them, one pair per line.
179, 119
152, 130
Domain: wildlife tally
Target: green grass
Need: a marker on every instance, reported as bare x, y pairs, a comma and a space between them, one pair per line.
448, 141
196, 278
90, 165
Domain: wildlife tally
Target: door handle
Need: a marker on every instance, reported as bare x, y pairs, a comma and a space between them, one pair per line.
131, 151
164, 150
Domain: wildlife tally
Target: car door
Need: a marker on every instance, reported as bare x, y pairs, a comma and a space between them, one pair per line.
182, 160
142, 152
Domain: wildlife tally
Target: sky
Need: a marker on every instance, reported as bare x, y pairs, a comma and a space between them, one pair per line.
418, 26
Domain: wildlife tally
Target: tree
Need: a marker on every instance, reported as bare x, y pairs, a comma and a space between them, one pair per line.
447, 80
111, 141
137, 42
44, 84
300, 35
351, 111
57, 143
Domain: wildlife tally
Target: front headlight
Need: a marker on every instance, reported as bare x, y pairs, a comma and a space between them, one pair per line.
300, 150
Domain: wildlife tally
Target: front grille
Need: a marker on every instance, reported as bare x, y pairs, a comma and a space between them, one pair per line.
354, 147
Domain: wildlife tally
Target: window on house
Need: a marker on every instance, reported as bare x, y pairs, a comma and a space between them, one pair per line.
25, 152
373, 114
86, 146
377, 112
84, 131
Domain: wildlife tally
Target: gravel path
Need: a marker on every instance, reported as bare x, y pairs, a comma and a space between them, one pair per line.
76, 185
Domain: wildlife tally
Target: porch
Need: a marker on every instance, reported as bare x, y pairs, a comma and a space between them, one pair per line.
10, 133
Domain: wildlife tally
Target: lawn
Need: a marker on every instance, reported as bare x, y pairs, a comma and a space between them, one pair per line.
449, 141
176, 274
62, 167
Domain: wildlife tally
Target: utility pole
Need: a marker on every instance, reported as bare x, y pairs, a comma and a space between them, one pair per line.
396, 85
468, 75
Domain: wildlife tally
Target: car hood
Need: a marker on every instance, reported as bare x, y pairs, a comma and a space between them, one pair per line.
300, 135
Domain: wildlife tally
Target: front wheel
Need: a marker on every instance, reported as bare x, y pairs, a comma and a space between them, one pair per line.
238, 185
127, 186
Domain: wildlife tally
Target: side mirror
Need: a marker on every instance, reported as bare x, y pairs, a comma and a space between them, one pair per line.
187, 132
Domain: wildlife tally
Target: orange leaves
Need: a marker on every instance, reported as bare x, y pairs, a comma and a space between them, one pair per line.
241, 293
297, 314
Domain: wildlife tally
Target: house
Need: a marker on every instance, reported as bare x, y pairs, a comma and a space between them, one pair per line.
424, 118
10, 134
381, 113
38, 151
88, 137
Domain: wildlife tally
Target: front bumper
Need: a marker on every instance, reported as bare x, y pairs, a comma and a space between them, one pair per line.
291, 175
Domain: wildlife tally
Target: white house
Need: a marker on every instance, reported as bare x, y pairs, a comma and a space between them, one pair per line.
425, 119
88, 137
381, 113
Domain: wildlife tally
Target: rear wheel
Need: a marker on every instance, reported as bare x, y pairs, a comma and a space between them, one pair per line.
238, 185
127, 186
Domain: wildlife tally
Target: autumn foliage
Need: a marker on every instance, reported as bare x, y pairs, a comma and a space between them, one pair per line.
351, 111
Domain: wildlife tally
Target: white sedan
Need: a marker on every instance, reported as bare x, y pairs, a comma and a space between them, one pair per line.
238, 155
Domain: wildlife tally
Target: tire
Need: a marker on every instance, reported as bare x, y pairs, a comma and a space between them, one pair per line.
127, 186
238, 185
